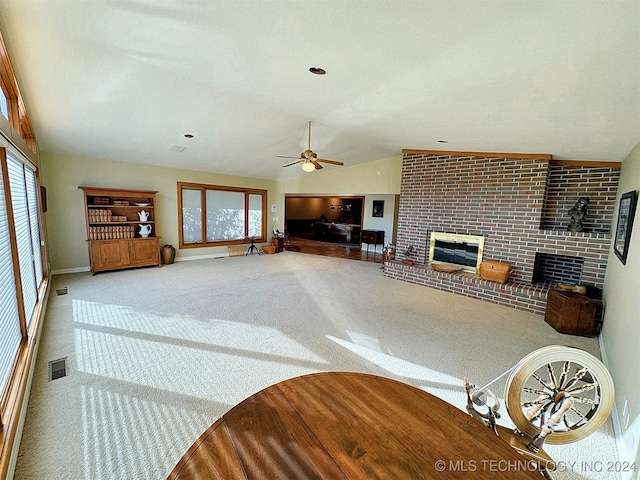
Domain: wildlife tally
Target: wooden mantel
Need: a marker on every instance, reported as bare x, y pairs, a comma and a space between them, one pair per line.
542, 156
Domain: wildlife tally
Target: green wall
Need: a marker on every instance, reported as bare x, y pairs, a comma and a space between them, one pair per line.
376, 177
65, 223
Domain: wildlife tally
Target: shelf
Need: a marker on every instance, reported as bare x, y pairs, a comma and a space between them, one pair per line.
113, 230
120, 206
120, 239
132, 222
567, 233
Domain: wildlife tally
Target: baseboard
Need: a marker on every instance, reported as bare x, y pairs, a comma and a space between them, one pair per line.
623, 453
201, 257
63, 271
27, 392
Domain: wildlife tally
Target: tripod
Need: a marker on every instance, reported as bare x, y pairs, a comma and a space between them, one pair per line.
252, 247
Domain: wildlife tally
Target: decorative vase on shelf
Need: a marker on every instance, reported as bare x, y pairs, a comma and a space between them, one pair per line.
145, 230
168, 254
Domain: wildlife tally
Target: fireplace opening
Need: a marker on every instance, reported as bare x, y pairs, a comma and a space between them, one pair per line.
552, 269
464, 251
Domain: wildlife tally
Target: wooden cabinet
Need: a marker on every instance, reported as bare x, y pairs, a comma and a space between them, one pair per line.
117, 224
278, 242
373, 237
572, 313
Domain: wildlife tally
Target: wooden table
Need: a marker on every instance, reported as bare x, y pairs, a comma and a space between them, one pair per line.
336, 228
348, 426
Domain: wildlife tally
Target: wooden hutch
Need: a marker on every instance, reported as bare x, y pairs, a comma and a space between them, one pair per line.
116, 231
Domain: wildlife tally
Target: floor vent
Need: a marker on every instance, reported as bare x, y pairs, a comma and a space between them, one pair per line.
58, 369
62, 291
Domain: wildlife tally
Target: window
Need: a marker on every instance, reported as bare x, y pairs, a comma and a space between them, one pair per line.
22, 223
18, 220
212, 215
23, 274
32, 200
4, 106
10, 334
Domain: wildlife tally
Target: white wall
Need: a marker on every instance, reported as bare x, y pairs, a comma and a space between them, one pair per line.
620, 337
377, 177
386, 223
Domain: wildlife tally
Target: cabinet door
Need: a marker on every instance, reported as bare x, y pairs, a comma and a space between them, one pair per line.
144, 252
108, 254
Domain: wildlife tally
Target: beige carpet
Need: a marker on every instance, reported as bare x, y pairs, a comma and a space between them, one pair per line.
156, 355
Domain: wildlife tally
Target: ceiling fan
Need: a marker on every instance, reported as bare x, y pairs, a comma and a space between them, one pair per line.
309, 159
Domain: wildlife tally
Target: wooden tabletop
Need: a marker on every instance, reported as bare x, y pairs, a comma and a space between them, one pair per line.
350, 426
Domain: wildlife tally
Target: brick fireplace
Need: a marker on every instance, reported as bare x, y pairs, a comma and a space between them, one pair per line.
519, 204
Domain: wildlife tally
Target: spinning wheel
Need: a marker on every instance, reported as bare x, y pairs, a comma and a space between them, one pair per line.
559, 394
555, 394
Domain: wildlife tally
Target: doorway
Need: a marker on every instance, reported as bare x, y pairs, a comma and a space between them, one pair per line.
331, 219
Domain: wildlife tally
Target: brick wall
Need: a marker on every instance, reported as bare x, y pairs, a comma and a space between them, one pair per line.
557, 268
505, 200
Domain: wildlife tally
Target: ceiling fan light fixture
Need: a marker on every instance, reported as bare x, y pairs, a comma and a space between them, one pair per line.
308, 167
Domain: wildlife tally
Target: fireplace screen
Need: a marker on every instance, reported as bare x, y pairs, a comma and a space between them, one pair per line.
464, 251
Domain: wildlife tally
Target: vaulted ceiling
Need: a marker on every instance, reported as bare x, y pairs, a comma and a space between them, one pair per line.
126, 80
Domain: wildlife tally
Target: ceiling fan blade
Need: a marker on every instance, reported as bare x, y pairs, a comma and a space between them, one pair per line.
332, 162
309, 156
289, 164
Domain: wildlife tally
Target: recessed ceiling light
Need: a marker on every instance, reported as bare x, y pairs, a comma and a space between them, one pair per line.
317, 70
188, 135
442, 141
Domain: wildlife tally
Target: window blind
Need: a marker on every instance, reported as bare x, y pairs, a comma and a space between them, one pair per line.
23, 234
225, 215
10, 335
32, 198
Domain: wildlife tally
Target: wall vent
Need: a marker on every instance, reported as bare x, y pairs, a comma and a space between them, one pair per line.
62, 291
57, 369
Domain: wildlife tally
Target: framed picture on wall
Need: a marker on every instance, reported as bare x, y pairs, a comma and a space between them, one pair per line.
378, 208
626, 212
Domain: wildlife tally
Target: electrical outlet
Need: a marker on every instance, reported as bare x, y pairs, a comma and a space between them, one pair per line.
626, 414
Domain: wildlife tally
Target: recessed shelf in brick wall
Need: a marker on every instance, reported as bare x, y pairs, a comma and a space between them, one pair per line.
567, 183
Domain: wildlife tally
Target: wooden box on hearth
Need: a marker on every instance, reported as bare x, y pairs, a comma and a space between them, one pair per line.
572, 313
